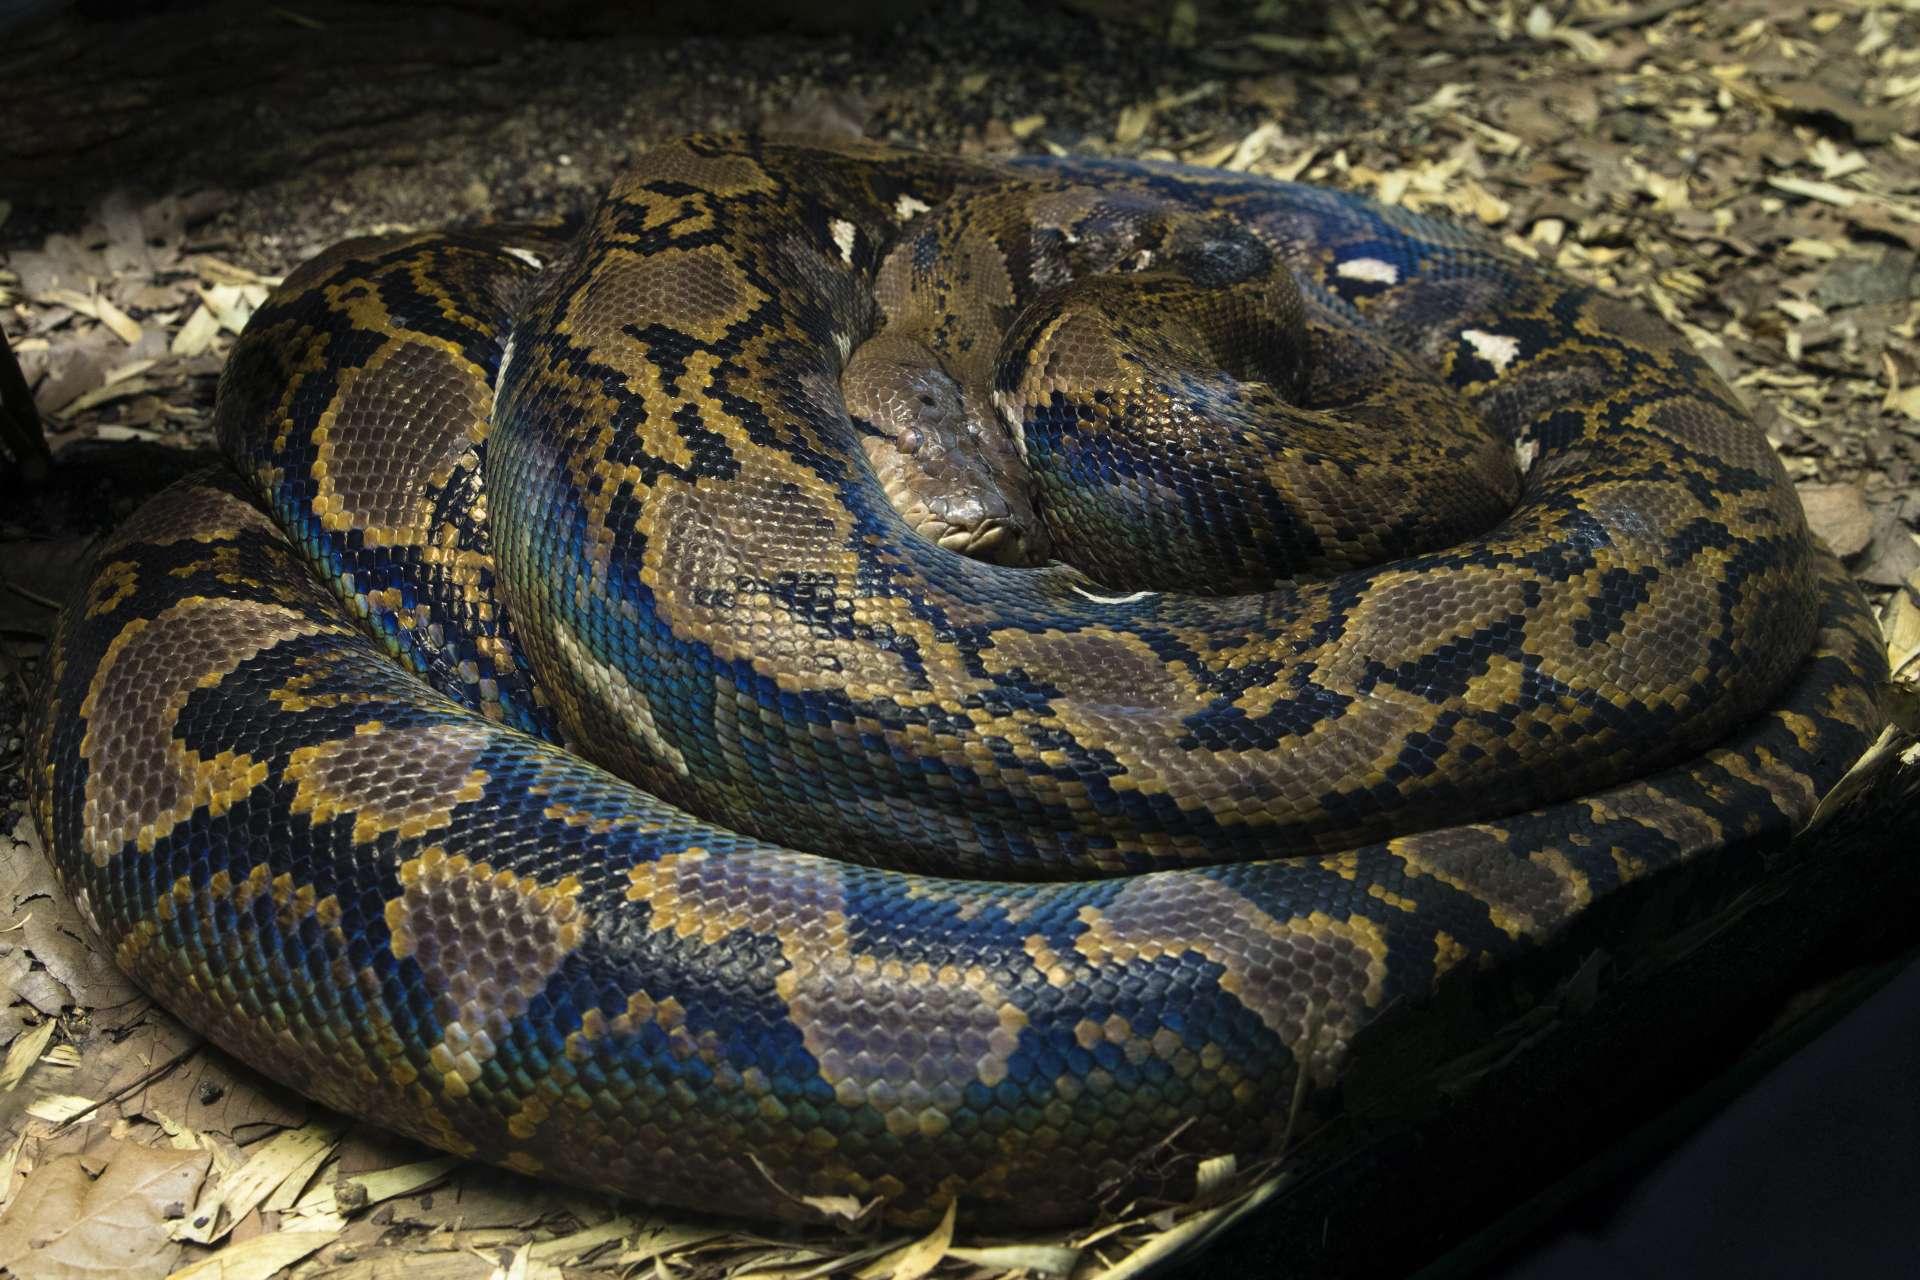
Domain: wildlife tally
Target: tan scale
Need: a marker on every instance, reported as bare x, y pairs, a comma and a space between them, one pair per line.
362, 776
483, 976
142, 780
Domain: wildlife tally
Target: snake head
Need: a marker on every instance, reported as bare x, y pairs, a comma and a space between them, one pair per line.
945, 462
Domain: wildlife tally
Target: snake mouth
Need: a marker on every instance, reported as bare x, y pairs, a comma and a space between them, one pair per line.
981, 541
994, 538
977, 519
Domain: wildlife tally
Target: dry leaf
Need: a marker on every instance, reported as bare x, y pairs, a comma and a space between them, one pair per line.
291, 1158
65, 1225
1896, 553
220, 271
50, 928
197, 334
351, 1195
578, 1244
1825, 192
1133, 122
124, 326
62, 262
1838, 514
913, 1261
1901, 624
260, 1258
1254, 147
32, 987
229, 304
1039, 1260
1886, 752
118, 390
15, 965
207, 1093
665, 1238
8, 1163
74, 365
1214, 1173
57, 1108
23, 1053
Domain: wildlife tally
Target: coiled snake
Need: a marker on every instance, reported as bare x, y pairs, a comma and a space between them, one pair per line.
1277, 756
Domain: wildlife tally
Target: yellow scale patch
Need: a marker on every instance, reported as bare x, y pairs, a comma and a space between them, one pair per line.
143, 781
488, 941
949, 1026
1522, 899
406, 780
370, 478
1312, 979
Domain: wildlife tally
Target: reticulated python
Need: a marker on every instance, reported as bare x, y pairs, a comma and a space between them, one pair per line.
1597, 643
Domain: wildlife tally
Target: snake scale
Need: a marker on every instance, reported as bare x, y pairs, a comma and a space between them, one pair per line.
905, 873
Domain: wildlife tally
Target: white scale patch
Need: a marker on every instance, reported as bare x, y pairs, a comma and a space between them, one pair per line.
1497, 349
843, 235
1128, 599
1010, 419
84, 902
909, 206
527, 256
632, 705
1371, 270
500, 378
1524, 453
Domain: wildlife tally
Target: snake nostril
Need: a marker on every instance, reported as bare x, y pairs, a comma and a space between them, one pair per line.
963, 509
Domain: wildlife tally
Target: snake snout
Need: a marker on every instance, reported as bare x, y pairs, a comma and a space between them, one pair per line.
942, 457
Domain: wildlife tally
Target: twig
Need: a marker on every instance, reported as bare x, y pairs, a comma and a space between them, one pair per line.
18, 674
30, 595
20, 433
1645, 15
131, 1087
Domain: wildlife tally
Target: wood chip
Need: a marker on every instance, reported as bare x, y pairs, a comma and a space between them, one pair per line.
124, 326
1825, 192
23, 1053
197, 334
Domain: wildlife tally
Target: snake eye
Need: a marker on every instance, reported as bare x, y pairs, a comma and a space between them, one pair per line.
1218, 252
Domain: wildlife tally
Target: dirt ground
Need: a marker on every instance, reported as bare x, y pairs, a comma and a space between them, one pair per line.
1749, 168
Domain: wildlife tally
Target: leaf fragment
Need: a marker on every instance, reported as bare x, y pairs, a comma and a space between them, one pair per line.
65, 1225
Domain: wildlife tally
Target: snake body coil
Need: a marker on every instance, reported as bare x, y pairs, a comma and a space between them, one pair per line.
605, 491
